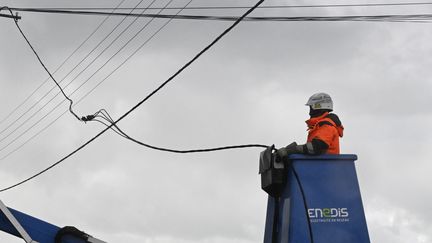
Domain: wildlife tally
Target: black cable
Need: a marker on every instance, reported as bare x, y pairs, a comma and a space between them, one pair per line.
245, 7
105, 115
16, 17
375, 18
275, 228
391, 18
304, 203
142, 101
78, 101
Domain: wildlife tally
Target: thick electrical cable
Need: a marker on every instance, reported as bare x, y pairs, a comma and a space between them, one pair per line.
10, 16
305, 204
415, 18
78, 101
123, 134
143, 100
244, 7
60, 66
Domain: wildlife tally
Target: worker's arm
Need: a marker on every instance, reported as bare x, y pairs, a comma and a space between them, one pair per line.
318, 145
315, 147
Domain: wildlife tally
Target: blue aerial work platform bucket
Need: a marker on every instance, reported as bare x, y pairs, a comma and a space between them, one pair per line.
320, 202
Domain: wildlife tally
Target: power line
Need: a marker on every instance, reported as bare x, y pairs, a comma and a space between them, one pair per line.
130, 56
240, 7
47, 93
114, 70
16, 17
61, 65
369, 18
35, 113
388, 18
143, 100
43, 65
392, 18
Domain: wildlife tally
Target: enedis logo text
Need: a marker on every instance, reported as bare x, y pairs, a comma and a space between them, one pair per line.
323, 215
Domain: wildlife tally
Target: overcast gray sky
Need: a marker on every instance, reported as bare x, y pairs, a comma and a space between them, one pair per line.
250, 88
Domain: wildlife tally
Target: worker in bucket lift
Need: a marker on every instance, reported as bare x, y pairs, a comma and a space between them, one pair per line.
324, 130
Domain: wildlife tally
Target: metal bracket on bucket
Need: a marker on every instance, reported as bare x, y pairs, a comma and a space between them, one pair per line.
272, 172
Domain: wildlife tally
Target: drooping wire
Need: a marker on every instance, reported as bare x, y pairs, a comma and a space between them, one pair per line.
78, 101
46, 103
57, 83
142, 101
46, 69
61, 65
103, 114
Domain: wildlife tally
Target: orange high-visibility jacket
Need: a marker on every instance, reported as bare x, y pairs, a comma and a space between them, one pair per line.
326, 128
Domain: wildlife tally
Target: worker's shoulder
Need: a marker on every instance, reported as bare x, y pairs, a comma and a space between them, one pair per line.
331, 117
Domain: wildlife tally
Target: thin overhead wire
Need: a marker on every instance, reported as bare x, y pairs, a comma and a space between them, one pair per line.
60, 66
415, 18
394, 4
19, 118
67, 85
391, 18
84, 96
76, 89
143, 100
57, 83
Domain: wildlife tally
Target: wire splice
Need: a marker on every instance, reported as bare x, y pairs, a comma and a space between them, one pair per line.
87, 118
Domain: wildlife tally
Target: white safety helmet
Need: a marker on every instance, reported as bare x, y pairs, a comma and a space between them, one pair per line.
320, 101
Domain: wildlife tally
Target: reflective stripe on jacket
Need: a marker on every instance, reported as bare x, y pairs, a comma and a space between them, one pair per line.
326, 128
